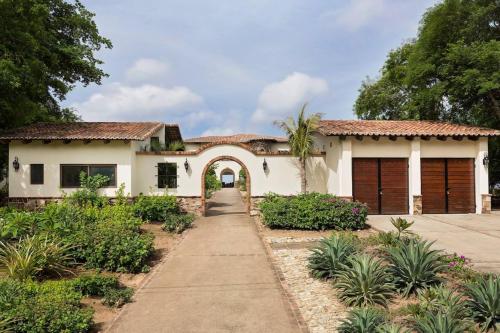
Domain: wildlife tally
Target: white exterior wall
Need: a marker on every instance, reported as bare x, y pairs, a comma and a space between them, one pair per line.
54, 154
282, 176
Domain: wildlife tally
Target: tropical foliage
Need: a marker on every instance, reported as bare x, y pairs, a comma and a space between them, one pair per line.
362, 320
484, 302
300, 133
312, 211
331, 255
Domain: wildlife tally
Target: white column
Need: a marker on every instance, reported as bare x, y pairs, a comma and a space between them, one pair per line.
333, 149
481, 173
346, 168
415, 187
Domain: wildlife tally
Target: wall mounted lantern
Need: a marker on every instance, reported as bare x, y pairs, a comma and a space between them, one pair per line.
186, 165
15, 163
264, 165
486, 160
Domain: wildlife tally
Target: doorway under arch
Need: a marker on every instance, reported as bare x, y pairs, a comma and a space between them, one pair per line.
247, 182
228, 178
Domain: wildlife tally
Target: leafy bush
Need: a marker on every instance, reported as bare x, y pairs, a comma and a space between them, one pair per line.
212, 183
484, 302
440, 323
116, 297
401, 225
326, 259
386, 239
365, 281
177, 222
16, 224
50, 307
312, 211
88, 193
117, 249
95, 284
33, 256
155, 208
362, 320
415, 266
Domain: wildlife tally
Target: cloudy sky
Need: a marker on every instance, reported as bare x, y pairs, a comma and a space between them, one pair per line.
229, 66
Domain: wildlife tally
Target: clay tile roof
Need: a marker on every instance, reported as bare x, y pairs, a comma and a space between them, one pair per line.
401, 128
236, 138
90, 131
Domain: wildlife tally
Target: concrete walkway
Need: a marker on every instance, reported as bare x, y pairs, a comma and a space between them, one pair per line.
475, 236
217, 280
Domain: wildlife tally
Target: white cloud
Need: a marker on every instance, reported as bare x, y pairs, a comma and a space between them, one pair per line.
218, 131
122, 102
146, 69
356, 13
280, 98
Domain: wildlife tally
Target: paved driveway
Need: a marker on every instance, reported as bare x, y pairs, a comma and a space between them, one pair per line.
474, 236
217, 280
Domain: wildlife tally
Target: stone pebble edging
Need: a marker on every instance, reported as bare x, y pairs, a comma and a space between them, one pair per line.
316, 299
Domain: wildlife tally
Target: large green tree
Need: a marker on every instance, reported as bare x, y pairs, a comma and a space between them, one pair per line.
46, 47
449, 72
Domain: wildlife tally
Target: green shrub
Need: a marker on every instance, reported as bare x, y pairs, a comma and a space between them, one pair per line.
312, 211
117, 297
365, 281
327, 258
362, 320
177, 222
155, 208
16, 224
440, 323
415, 266
386, 239
484, 302
34, 256
95, 284
50, 307
440, 299
117, 249
402, 226
88, 194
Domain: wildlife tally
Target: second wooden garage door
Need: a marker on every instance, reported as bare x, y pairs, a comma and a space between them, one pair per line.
447, 185
381, 183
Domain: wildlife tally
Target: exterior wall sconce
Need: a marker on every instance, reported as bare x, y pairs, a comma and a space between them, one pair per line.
15, 163
264, 165
486, 160
186, 165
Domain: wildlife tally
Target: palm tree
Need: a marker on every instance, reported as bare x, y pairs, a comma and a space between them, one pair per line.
300, 138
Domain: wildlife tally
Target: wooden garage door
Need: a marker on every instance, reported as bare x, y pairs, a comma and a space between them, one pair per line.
382, 184
447, 185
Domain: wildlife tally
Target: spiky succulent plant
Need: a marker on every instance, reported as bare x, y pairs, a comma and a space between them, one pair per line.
327, 258
362, 320
484, 302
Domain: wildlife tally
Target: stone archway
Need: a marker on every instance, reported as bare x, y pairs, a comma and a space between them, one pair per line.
204, 173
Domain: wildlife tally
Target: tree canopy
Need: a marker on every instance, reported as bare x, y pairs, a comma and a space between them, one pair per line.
46, 47
449, 72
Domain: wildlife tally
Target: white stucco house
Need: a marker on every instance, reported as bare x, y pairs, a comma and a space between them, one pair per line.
395, 167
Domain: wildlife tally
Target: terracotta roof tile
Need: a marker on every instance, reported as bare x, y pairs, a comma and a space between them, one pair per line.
401, 128
236, 138
90, 131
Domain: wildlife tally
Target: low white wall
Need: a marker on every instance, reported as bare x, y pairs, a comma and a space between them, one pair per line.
282, 176
54, 154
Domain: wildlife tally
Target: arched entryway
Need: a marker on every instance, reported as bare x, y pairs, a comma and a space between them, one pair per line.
228, 178
247, 180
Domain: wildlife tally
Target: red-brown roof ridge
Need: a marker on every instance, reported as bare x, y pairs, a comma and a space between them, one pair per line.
401, 128
88, 131
236, 138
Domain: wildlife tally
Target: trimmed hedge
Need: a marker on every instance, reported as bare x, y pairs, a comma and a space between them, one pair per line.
312, 211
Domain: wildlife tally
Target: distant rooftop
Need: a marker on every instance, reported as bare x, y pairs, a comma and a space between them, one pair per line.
236, 138
91, 131
400, 128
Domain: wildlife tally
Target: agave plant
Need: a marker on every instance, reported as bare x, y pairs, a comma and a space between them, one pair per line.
415, 266
330, 255
440, 299
362, 320
365, 281
34, 256
391, 328
484, 302
441, 323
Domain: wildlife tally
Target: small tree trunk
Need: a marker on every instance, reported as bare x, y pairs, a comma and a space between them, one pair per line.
303, 180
